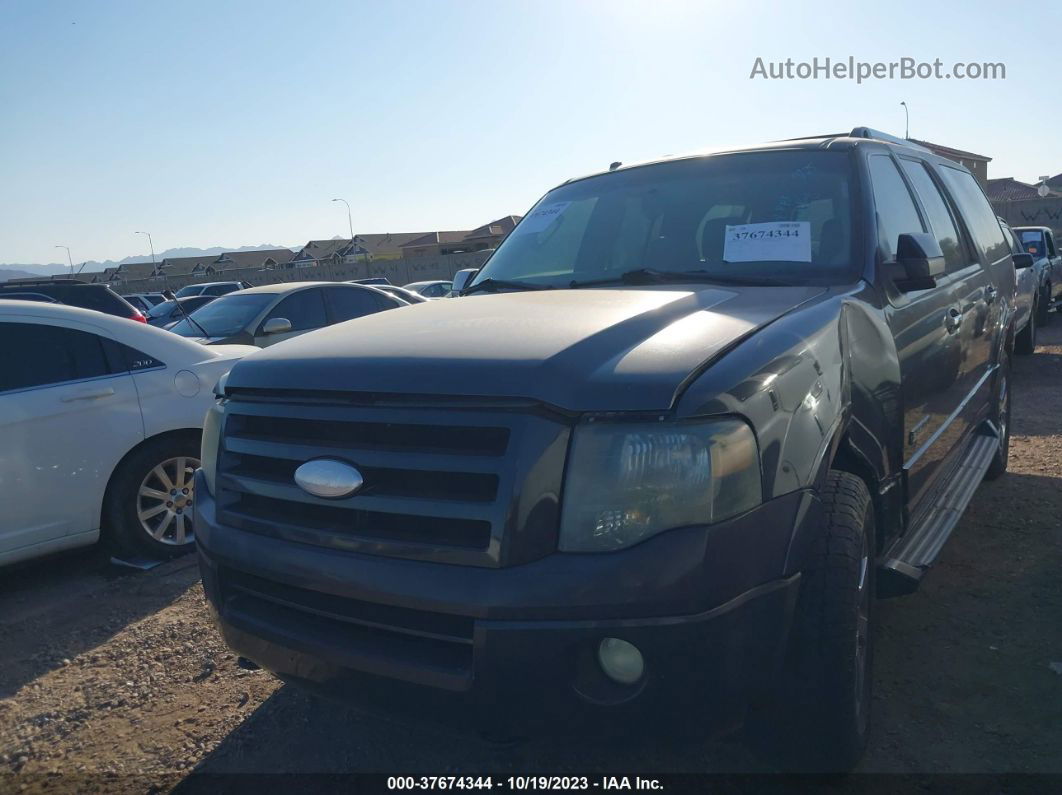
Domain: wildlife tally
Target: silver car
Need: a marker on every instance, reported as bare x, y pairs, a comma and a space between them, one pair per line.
266, 315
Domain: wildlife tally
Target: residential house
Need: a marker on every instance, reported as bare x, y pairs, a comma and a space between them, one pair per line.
440, 243
978, 164
1010, 189
262, 259
341, 250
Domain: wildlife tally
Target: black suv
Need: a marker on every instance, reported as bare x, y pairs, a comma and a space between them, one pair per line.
72, 292
691, 418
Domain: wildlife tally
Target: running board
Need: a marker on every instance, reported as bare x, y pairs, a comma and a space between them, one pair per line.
911, 555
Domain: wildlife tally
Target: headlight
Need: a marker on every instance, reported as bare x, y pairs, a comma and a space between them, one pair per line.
215, 418
627, 482
219, 387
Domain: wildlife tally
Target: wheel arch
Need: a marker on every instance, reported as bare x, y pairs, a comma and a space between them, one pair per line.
173, 433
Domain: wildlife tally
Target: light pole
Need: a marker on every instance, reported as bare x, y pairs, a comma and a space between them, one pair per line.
68, 260
151, 245
350, 224
907, 122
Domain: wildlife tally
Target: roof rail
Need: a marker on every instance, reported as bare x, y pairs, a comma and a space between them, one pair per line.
42, 281
878, 135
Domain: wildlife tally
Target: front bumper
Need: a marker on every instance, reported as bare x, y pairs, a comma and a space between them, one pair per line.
508, 648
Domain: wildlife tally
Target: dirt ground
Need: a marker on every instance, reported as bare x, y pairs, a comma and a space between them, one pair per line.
115, 680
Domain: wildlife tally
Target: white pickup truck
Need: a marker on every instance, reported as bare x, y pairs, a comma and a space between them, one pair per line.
1040, 242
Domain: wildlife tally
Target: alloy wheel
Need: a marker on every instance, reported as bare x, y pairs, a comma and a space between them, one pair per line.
165, 499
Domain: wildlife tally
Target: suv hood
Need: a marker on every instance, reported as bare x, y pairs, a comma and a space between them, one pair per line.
583, 350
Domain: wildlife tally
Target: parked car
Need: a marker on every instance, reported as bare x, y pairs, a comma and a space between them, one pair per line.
400, 293
211, 288
151, 299
142, 304
71, 292
1028, 294
692, 416
461, 280
433, 289
100, 424
1040, 242
267, 315
169, 312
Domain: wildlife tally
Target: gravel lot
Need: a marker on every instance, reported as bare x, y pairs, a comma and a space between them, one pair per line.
115, 680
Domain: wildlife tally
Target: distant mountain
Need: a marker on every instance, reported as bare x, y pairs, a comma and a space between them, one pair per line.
6, 274
18, 270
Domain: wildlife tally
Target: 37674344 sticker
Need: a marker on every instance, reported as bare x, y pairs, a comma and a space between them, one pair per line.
784, 241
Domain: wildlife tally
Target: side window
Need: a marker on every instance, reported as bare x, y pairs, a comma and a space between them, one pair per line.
1051, 251
347, 304
305, 310
137, 360
980, 217
896, 211
36, 355
940, 217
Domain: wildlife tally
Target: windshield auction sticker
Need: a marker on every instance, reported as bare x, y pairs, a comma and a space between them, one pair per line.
776, 241
541, 218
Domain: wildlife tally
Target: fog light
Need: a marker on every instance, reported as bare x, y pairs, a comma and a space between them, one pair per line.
621, 661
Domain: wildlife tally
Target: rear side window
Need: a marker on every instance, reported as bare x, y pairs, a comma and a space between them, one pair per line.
36, 355
979, 215
940, 217
351, 303
896, 211
134, 360
305, 310
1032, 241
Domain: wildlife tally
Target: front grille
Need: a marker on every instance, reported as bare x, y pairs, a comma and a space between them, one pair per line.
438, 482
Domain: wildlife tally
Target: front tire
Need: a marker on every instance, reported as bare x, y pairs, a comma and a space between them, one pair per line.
821, 726
148, 505
1025, 343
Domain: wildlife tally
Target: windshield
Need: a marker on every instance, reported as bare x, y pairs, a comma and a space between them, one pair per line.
191, 289
224, 316
774, 216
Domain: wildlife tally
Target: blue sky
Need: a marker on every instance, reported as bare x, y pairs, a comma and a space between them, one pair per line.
234, 123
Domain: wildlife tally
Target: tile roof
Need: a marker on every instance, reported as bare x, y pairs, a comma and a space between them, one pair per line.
948, 151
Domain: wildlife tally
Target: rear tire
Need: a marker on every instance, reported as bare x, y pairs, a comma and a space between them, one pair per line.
821, 726
1025, 343
1045, 307
147, 510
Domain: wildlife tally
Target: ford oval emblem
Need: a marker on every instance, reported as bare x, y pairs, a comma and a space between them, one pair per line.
328, 478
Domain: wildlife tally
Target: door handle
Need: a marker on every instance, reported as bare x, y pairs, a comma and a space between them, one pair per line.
953, 320
990, 293
89, 394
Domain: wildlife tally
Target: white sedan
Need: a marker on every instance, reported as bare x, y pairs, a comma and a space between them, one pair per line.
100, 424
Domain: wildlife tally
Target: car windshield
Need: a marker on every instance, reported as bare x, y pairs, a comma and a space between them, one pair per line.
224, 316
762, 216
191, 289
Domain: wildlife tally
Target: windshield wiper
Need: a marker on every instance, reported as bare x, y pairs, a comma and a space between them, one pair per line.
653, 276
493, 285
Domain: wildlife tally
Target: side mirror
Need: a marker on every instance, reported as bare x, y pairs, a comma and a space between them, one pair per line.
276, 325
1022, 261
462, 278
920, 259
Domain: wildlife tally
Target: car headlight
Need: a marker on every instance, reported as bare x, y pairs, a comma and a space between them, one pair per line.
629, 481
212, 424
